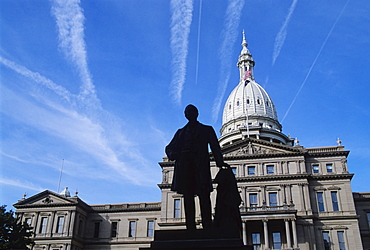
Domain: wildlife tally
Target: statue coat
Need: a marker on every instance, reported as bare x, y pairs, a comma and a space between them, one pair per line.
183, 181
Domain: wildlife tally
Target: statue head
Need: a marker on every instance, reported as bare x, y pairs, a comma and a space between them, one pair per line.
191, 113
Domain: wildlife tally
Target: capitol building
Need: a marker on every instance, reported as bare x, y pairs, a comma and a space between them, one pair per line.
292, 197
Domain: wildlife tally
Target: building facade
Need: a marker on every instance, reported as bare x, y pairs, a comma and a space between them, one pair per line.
293, 197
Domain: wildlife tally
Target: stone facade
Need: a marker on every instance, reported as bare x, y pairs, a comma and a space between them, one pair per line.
63, 222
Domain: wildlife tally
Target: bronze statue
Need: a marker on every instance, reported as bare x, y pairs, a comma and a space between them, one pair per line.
192, 175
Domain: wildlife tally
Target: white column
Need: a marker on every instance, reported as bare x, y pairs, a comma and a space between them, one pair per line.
263, 194
52, 223
266, 234
244, 197
244, 224
307, 197
71, 223
295, 238
287, 231
301, 194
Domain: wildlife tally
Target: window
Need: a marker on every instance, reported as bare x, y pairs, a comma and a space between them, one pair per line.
234, 171
315, 169
256, 241
270, 169
258, 101
252, 170
44, 222
114, 229
320, 202
28, 221
334, 200
150, 229
253, 201
60, 223
329, 168
368, 219
248, 101
276, 240
342, 244
132, 229
96, 229
325, 236
237, 103
177, 208
273, 199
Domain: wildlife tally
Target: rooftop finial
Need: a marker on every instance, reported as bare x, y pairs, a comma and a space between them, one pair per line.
339, 141
244, 43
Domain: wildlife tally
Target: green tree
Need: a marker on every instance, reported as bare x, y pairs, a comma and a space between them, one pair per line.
13, 233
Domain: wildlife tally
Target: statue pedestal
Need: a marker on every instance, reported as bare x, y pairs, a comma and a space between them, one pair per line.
196, 240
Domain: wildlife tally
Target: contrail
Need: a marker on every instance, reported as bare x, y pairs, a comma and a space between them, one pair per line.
281, 35
35, 76
70, 22
197, 63
182, 14
229, 35
314, 61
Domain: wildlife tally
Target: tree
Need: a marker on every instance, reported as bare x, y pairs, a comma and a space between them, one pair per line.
13, 233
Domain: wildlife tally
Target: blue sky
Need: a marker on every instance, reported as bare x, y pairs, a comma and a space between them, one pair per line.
99, 87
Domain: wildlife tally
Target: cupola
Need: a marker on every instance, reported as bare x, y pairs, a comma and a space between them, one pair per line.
249, 111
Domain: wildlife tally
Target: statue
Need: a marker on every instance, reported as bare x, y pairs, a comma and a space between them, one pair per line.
192, 175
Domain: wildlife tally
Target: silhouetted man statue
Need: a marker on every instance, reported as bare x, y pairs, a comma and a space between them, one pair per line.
192, 174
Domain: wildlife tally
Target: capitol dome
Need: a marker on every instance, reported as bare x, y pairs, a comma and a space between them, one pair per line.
249, 111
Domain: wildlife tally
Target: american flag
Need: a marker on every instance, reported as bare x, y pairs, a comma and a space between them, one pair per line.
247, 74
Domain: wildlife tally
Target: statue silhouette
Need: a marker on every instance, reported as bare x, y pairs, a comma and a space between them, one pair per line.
192, 175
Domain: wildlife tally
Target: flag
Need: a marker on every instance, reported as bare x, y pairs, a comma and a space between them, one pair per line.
247, 74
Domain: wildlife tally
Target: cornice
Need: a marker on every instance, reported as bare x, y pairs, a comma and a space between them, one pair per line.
237, 144
164, 185
137, 209
272, 177
259, 156
331, 176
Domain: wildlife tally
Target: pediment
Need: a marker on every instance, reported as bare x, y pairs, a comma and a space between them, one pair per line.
46, 198
254, 147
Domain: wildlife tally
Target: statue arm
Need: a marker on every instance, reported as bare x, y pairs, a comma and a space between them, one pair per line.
216, 149
172, 149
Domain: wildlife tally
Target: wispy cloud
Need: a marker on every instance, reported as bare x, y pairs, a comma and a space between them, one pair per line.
229, 35
314, 61
70, 22
182, 14
198, 43
20, 184
62, 92
81, 121
281, 35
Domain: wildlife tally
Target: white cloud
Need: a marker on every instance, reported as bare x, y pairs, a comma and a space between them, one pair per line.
20, 184
70, 22
281, 35
84, 133
180, 28
62, 92
229, 35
